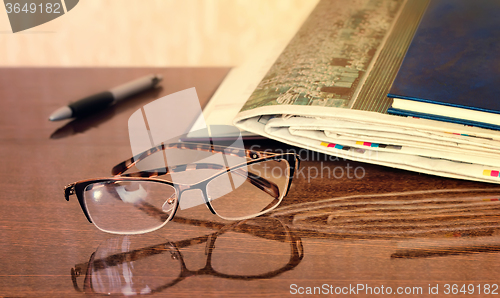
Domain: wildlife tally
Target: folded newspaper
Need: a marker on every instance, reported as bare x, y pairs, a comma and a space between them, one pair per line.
327, 91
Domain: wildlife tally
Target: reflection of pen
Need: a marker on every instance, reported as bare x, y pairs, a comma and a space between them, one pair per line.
97, 102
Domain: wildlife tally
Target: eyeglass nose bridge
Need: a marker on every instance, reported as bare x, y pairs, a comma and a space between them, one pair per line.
202, 189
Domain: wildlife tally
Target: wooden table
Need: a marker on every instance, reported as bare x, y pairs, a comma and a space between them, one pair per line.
363, 229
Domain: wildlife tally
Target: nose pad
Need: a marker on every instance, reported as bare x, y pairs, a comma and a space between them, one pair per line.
169, 203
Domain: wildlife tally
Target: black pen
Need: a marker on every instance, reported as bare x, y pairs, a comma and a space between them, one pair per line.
99, 101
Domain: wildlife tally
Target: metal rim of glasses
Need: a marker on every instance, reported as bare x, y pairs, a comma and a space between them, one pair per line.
292, 159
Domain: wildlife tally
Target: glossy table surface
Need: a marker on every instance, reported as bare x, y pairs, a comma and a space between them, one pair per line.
345, 227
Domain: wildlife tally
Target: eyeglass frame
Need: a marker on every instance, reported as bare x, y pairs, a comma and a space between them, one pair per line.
293, 160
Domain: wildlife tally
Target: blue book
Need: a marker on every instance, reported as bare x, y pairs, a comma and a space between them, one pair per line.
452, 68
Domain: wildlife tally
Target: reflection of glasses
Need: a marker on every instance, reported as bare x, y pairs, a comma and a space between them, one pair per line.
137, 203
113, 269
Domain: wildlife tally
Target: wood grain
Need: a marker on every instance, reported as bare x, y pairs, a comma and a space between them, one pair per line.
387, 227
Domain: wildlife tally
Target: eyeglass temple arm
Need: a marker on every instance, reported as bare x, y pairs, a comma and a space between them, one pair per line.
263, 184
127, 164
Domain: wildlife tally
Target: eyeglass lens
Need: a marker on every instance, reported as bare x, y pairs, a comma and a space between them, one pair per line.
238, 196
130, 206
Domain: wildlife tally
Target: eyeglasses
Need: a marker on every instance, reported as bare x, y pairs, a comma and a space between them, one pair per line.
138, 202
118, 267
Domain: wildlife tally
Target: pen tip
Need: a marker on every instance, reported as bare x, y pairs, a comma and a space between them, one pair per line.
61, 113
157, 78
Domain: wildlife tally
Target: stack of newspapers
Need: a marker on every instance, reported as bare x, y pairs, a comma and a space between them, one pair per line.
327, 91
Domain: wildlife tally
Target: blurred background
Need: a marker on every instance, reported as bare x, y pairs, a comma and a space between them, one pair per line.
154, 33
